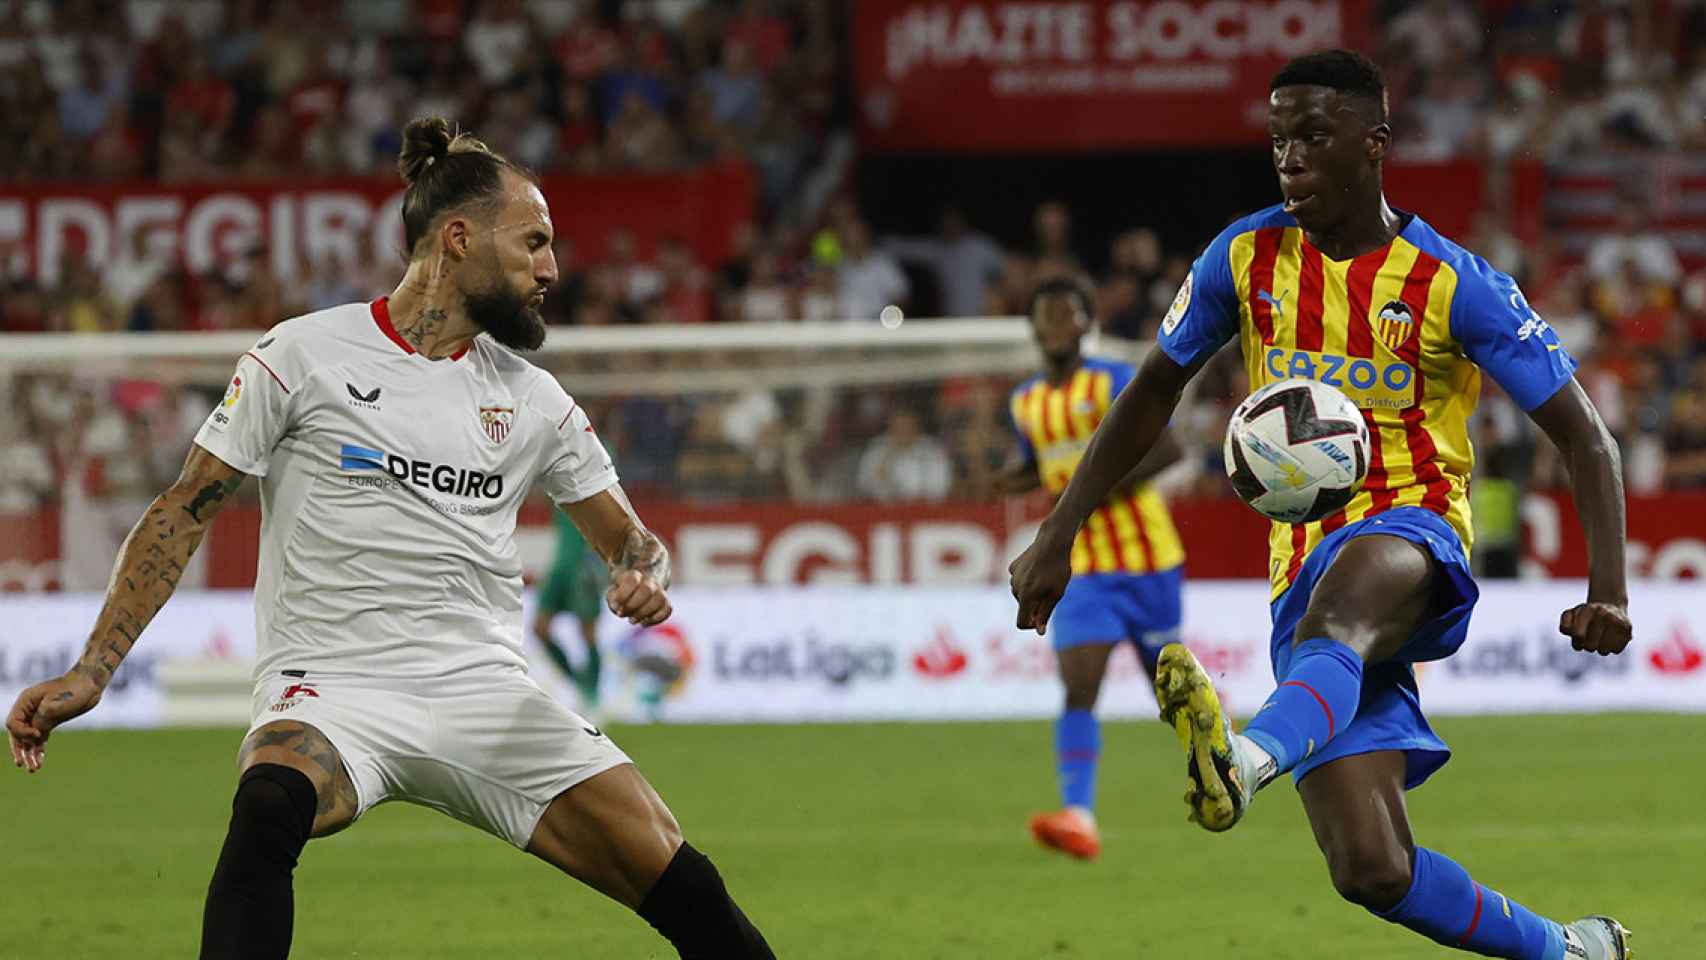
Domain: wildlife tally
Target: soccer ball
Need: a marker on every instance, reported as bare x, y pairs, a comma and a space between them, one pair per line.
1296, 450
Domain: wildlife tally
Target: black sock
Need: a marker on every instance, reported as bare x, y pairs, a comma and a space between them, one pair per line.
690, 906
250, 908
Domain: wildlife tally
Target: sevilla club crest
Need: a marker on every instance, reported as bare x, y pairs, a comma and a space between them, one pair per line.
496, 421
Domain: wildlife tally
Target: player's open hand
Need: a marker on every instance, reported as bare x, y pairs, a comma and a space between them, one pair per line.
41, 708
638, 598
1601, 628
1039, 577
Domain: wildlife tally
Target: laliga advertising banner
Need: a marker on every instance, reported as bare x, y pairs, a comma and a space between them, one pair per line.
881, 653
861, 653
994, 75
41, 636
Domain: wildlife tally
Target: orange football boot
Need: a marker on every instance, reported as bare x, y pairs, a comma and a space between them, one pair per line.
1069, 832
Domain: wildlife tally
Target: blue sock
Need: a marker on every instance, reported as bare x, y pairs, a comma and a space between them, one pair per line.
1316, 700
1077, 744
1447, 907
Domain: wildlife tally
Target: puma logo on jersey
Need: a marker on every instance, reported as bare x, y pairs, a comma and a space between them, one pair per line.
1268, 298
368, 401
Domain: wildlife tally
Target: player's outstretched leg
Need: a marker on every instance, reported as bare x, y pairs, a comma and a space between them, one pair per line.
613, 833
1366, 605
1077, 750
293, 786
1356, 808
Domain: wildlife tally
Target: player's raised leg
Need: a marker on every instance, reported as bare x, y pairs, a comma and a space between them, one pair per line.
1356, 808
614, 833
293, 786
1364, 608
1077, 751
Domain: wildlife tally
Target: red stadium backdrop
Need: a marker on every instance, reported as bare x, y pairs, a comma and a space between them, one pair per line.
782, 543
301, 222
975, 75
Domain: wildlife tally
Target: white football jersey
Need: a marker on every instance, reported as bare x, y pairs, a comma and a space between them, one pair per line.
389, 490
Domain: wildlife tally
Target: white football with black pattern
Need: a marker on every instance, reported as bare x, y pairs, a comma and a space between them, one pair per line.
1297, 450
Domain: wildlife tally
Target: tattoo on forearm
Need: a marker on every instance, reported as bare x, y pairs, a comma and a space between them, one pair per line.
643, 552
212, 494
150, 565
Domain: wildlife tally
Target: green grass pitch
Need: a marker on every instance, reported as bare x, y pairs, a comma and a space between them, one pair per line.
879, 841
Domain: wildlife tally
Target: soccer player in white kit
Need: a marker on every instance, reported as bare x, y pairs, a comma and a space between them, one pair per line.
394, 445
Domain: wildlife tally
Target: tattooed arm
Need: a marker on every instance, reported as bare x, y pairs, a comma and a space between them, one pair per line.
149, 565
639, 562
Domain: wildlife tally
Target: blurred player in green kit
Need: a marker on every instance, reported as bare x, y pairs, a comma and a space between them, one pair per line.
575, 586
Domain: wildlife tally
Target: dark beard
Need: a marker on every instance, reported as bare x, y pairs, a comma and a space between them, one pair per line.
507, 318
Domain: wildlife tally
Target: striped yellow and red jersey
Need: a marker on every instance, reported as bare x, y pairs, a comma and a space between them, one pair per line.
1131, 532
1404, 331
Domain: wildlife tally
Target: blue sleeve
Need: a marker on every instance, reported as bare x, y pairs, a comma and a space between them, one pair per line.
1123, 374
1503, 335
1204, 314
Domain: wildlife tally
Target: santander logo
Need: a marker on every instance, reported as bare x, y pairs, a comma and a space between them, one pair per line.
1679, 653
941, 658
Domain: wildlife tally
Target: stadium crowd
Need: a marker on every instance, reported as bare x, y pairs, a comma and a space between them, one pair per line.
209, 89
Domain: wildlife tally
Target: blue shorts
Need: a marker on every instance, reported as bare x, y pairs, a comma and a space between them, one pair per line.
1390, 715
1113, 607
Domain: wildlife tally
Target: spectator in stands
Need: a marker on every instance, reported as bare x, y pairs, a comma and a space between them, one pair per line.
1436, 31
686, 290
1634, 241
766, 298
636, 282
867, 279
496, 40
710, 467
78, 303
26, 472
1052, 225
979, 432
904, 463
1685, 437
964, 261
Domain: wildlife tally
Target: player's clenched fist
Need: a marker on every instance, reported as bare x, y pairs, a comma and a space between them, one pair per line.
41, 708
1601, 628
1038, 577
638, 598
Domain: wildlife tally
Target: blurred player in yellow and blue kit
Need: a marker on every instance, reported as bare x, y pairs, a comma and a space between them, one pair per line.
1127, 561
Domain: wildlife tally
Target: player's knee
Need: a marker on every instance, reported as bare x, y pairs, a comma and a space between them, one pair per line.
271, 818
1315, 624
1081, 696
1374, 877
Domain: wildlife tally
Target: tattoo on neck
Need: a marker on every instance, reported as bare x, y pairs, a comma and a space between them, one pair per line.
427, 324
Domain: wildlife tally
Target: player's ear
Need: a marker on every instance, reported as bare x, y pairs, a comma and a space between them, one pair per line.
457, 237
1379, 141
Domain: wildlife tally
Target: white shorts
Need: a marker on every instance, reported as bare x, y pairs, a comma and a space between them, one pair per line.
488, 747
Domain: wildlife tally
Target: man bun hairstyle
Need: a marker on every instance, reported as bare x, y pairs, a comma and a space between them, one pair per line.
1346, 71
445, 169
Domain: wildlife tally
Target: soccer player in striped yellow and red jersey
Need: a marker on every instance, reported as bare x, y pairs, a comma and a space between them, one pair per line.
1127, 561
1334, 285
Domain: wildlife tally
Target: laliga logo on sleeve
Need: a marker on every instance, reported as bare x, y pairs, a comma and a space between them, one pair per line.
232, 392
1181, 303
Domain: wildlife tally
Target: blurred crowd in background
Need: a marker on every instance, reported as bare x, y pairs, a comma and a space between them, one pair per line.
201, 90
